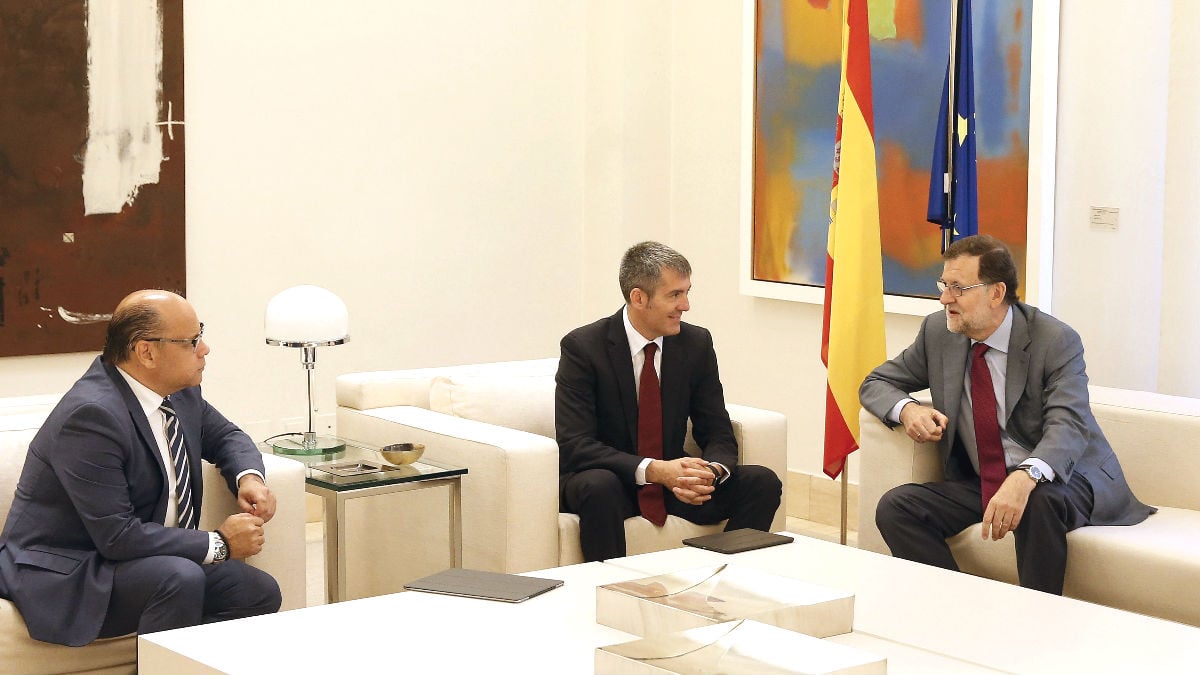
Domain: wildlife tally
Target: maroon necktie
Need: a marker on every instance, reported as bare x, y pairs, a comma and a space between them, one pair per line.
992, 467
650, 496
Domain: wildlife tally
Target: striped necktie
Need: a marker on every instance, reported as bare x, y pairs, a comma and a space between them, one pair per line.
183, 477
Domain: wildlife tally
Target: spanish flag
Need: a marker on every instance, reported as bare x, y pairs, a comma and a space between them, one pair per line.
852, 338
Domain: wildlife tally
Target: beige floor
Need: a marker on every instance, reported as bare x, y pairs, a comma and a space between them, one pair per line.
316, 559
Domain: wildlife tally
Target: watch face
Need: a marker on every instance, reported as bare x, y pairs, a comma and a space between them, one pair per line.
1035, 473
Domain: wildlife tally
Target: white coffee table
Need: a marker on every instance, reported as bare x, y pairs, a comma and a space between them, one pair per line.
924, 620
928, 620
409, 632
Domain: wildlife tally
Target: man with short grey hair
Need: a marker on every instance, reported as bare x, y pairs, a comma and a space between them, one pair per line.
626, 387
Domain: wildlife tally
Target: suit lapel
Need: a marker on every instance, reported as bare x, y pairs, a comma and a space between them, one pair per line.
674, 356
954, 369
138, 416
149, 445
621, 362
1017, 371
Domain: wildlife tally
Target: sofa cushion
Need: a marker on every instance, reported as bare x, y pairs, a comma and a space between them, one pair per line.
523, 402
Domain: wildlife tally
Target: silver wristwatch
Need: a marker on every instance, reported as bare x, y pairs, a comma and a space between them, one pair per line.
222, 553
1034, 472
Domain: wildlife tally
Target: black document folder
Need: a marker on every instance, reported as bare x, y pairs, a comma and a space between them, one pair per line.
736, 541
486, 585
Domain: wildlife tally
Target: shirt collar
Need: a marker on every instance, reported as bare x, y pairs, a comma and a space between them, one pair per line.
636, 341
998, 340
148, 399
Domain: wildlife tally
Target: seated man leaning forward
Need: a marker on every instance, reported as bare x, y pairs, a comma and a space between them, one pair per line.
627, 385
101, 539
1018, 443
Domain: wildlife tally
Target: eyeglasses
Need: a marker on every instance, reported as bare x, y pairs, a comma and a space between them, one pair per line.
958, 290
183, 341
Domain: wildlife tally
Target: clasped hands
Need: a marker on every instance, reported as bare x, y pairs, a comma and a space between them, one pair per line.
1003, 513
689, 478
243, 532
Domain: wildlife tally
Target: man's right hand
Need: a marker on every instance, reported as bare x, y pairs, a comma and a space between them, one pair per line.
243, 533
923, 423
688, 478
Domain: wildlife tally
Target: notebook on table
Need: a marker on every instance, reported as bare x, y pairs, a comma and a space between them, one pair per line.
736, 541
485, 585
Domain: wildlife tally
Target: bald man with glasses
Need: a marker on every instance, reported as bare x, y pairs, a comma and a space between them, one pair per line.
102, 537
1019, 447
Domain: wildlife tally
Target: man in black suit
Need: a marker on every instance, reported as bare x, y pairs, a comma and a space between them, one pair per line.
101, 539
602, 383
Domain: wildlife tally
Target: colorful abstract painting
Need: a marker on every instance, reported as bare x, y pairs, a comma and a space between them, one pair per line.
91, 165
796, 72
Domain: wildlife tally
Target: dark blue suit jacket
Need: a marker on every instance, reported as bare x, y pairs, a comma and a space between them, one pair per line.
93, 492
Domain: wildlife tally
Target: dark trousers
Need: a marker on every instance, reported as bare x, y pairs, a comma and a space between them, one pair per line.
916, 519
164, 592
749, 498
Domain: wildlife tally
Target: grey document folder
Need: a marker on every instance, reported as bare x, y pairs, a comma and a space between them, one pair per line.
486, 585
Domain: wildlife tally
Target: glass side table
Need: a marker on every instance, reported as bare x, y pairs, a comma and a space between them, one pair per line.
385, 525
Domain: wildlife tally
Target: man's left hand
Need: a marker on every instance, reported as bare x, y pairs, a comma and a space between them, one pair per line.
1004, 512
255, 497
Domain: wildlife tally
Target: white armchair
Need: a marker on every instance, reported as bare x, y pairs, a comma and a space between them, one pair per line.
497, 420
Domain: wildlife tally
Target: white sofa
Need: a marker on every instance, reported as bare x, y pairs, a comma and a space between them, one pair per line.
497, 420
283, 555
1152, 568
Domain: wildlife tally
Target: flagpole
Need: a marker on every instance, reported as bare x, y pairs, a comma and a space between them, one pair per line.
845, 510
948, 233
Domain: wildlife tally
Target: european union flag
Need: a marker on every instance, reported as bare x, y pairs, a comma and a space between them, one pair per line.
953, 198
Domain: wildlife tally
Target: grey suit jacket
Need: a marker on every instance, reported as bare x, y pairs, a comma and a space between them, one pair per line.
1046, 403
93, 492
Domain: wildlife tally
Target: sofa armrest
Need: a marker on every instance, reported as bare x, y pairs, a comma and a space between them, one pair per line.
510, 491
283, 555
762, 440
887, 458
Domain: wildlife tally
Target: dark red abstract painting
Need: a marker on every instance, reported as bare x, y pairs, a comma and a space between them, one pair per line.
91, 165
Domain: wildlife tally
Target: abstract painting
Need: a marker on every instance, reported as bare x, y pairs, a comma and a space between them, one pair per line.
91, 165
797, 60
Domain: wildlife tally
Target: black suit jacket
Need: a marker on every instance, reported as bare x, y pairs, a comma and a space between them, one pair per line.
93, 492
596, 408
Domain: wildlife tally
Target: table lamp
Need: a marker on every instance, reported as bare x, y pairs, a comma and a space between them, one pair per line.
307, 317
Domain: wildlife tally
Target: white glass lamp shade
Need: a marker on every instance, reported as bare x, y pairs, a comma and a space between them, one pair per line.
306, 316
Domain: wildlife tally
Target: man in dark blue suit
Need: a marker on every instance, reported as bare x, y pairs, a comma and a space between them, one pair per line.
101, 539
606, 368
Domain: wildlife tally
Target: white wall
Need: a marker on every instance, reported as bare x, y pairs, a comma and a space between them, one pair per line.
1179, 368
423, 160
466, 175
1112, 144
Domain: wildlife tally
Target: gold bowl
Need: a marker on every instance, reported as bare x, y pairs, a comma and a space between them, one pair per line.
402, 453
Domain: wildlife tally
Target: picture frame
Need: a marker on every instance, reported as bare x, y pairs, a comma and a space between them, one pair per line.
1036, 288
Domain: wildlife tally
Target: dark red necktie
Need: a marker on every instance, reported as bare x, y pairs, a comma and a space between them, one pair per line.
992, 467
651, 500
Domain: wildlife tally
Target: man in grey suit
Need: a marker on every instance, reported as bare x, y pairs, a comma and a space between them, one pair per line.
1054, 470
101, 539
